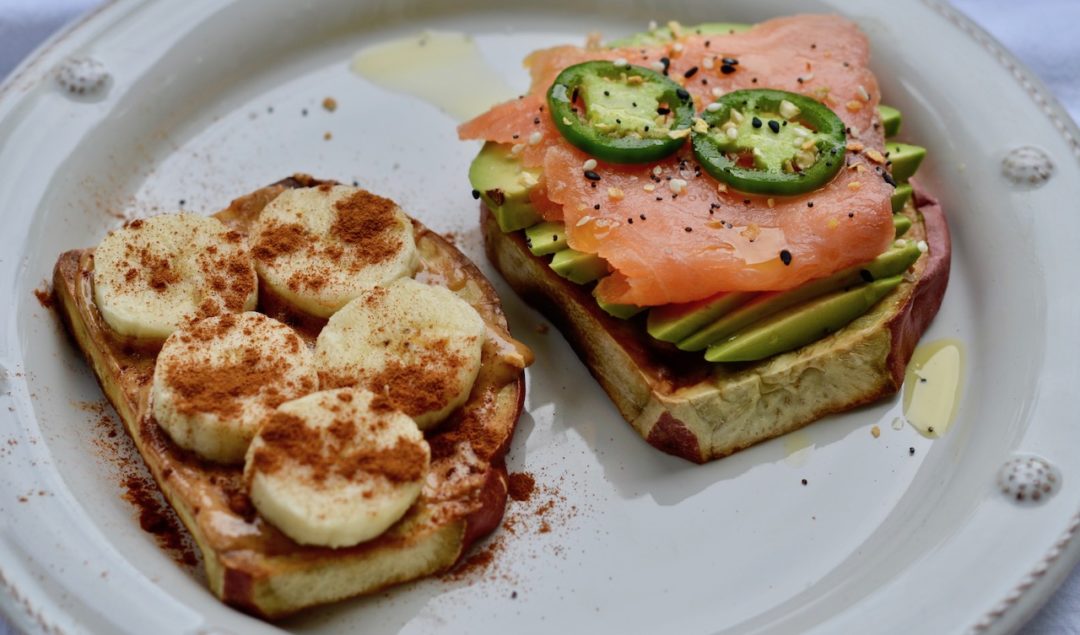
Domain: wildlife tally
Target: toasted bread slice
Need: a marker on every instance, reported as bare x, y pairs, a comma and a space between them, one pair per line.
249, 563
688, 407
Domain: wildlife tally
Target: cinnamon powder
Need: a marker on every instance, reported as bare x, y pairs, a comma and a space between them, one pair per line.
334, 451
520, 486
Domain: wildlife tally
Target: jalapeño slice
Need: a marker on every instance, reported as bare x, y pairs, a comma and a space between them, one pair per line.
770, 142
620, 113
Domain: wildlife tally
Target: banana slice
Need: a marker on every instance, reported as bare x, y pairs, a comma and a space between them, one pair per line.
216, 380
336, 468
156, 274
318, 248
417, 345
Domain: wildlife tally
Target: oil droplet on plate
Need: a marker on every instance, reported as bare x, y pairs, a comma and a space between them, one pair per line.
932, 386
797, 448
444, 69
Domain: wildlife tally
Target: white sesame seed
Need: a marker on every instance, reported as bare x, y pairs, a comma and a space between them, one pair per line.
620, 62
708, 63
658, 66
807, 77
677, 186
589, 164
713, 107
677, 47
788, 110
718, 92
535, 138
862, 93
583, 220
657, 171
732, 133
923, 247
517, 148
900, 243
648, 187
652, 25
736, 116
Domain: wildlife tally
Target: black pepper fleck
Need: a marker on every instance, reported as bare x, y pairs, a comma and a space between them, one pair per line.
591, 175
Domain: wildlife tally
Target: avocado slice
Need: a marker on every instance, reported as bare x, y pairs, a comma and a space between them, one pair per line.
546, 238
802, 325
674, 322
900, 196
662, 35
504, 186
905, 159
890, 120
901, 223
578, 267
621, 311
893, 262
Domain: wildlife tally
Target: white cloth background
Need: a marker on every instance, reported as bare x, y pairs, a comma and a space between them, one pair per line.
1045, 34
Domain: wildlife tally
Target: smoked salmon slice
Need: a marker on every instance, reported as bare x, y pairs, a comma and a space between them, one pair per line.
672, 233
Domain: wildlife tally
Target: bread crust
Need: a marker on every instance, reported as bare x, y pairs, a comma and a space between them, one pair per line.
685, 406
249, 563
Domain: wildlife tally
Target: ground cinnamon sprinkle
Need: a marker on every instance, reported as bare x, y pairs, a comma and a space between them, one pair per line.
520, 486
278, 239
44, 295
159, 269
156, 518
367, 222
287, 438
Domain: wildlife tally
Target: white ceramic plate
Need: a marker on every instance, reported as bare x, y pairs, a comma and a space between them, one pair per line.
877, 541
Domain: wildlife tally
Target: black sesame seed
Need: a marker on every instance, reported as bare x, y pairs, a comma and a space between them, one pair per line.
659, 198
618, 121
888, 178
182, 202
476, 194
593, 184
813, 46
270, 110
809, 203
804, 481
851, 215
753, 80
746, 201
774, 125
683, 94
727, 69
911, 451
304, 112
607, 94
800, 80
634, 104
866, 275
516, 136
536, 121
663, 111
707, 43
785, 257
591, 175
629, 221
690, 72
730, 60
356, 183
688, 229
641, 216
755, 122
597, 206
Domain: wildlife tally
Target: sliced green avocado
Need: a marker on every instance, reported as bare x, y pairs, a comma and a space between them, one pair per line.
900, 196
674, 322
621, 311
893, 262
890, 120
901, 223
577, 266
905, 159
801, 326
504, 186
662, 35
546, 238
